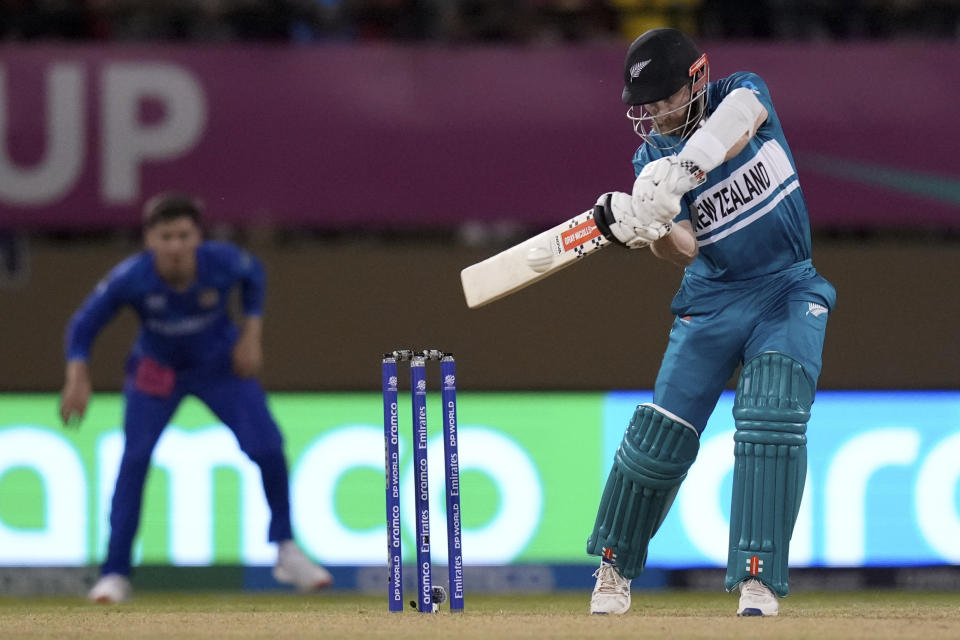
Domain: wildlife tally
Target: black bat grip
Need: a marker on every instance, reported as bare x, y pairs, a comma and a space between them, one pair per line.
603, 218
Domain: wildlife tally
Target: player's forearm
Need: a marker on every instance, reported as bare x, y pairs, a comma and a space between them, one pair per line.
80, 336
248, 352
737, 146
725, 133
88, 321
678, 247
76, 392
77, 380
77, 371
252, 327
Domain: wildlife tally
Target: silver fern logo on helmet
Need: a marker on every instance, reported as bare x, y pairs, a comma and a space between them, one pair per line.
637, 68
644, 123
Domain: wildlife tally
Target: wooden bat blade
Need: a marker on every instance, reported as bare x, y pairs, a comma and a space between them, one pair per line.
534, 259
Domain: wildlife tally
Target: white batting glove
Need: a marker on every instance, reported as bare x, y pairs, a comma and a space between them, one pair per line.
617, 218
661, 184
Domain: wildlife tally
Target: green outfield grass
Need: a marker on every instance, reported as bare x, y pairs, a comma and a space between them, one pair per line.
878, 614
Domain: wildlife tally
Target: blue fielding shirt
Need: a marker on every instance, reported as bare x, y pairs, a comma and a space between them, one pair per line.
749, 217
180, 329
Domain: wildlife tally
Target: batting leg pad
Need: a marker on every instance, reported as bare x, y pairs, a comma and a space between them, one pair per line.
651, 462
770, 411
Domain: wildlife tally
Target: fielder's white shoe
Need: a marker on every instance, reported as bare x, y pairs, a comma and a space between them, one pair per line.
295, 568
111, 588
756, 599
611, 593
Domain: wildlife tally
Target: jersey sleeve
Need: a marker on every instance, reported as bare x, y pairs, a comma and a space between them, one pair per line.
253, 284
98, 309
747, 80
644, 155
246, 269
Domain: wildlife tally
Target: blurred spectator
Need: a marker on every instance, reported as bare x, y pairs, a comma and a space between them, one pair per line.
492, 20
472, 20
31, 19
391, 19
577, 20
638, 16
737, 19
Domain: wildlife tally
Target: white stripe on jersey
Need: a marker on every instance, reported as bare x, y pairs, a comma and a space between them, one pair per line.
739, 194
751, 218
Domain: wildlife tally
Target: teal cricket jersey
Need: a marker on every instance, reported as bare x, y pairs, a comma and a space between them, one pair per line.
749, 217
753, 287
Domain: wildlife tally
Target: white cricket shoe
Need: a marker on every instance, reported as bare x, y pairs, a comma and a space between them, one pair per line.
295, 568
111, 588
611, 593
756, 599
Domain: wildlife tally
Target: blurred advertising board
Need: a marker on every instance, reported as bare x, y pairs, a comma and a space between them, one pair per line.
386, 137
882, 482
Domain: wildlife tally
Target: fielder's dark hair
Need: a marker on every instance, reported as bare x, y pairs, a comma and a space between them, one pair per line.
171, 205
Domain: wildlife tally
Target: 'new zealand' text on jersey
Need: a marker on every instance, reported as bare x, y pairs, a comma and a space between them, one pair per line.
749, 217
180, 329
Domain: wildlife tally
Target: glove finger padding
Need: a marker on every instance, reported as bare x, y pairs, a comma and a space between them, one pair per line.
653, 232
673, 174
650, 198
661, 184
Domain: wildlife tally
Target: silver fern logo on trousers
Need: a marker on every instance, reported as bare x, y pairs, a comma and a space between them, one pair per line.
815, 310
638, 67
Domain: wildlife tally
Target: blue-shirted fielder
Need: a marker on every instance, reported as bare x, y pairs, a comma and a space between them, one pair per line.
179, 288
716, 192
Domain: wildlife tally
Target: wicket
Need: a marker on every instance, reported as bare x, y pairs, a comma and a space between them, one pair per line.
428, 596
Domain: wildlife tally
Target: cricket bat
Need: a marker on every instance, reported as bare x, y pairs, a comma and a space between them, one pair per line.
531, 260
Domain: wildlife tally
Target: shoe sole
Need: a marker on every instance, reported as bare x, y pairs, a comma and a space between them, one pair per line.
754, 613
322, 585
105, 600
609, 613
283, 578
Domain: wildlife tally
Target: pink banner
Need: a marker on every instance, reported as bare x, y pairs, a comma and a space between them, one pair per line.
420, 137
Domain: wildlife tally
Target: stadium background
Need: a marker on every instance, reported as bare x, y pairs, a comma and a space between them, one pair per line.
367, 151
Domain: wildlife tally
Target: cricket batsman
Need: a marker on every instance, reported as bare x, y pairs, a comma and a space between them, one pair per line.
716, 193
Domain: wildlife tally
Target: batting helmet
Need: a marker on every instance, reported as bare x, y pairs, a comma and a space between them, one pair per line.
659, 63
